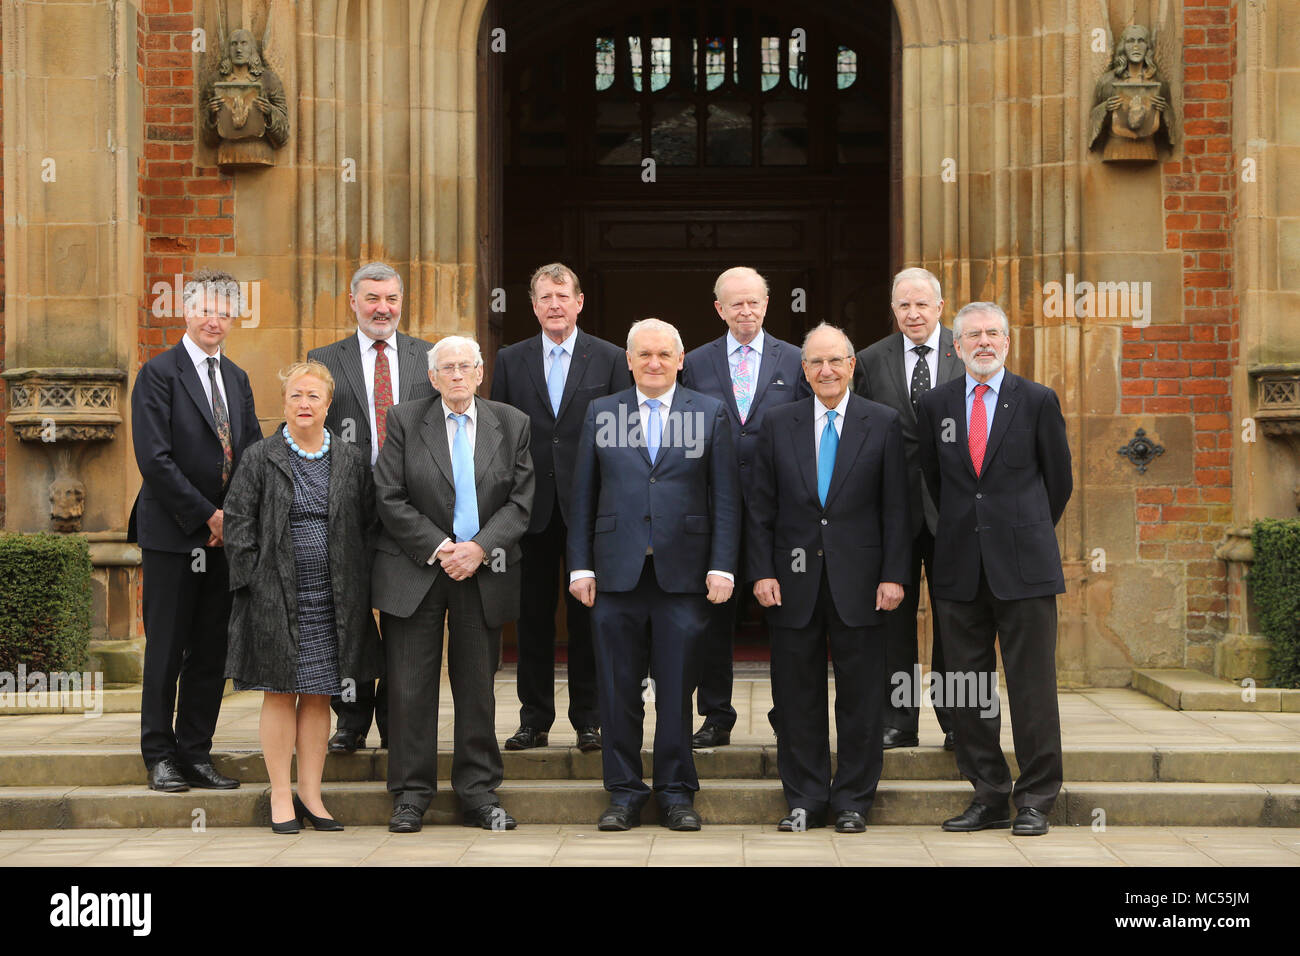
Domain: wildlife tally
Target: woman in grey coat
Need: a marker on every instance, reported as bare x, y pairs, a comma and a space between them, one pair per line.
299, 533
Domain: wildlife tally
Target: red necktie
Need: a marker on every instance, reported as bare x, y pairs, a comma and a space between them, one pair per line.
979, 429
383, 393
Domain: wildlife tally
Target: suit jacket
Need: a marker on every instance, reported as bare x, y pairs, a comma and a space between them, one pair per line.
351, 401
597, 368
177, 449
259, 548
780, 380
862, 535
880, 377
415, 494
686, 505
1005, 518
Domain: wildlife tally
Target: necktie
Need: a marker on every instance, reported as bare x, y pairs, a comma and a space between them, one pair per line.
383, 393
222, 420
920, 375
464, 522
555, 379
653, 428
740, 385
979, 429
826, 456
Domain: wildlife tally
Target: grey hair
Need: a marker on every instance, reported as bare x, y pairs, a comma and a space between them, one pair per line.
212, 282
917, 274
822, 326
654, 325
992, 308
737, 272
454, 342
376, 272
558, 273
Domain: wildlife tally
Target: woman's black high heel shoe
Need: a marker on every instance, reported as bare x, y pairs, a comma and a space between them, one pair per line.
317, 823
288, 826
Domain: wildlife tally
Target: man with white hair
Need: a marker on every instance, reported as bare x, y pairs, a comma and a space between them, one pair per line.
454, 489
996, 458
653, 539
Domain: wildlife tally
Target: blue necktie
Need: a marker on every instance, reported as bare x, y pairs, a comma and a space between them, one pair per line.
826, 457
653, 428
464, 522
555, 380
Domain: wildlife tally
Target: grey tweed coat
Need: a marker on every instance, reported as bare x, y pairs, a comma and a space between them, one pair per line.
259, 550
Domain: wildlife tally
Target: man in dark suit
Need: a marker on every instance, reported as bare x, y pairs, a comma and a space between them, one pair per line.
652, 540
995, 457
750, 372
374, 369
830, 536
551, 378
192, 417
454, 487
897, 371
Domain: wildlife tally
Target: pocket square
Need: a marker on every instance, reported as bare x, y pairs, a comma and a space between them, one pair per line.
778, 381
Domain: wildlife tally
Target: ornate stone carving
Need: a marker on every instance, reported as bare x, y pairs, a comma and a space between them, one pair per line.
245, 113
1141, 450
1278, 409
1132, 104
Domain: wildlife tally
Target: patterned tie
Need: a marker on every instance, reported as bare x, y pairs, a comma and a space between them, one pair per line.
740, 384
383, 393
555, 380
826, 456
979, 429
222, 420
920, 375
654, 428
464, 524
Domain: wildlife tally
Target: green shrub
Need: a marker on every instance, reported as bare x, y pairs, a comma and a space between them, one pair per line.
44, 602
1274, 581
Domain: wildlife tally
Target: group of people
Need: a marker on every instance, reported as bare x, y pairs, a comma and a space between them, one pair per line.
657, 486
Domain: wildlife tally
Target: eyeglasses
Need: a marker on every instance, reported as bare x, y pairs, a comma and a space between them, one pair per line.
463, 367
835, 363
973, 336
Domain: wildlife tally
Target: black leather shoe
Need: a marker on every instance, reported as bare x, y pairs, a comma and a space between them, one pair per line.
978, 816
799, 819
710, 735
949, 741
490, 816
406, 819
167, 777
681, 816
206, 777
526, 738
618, 817
288, 826
850, 821
899, 738
346, 742
328, 824
588, 739
1029, 822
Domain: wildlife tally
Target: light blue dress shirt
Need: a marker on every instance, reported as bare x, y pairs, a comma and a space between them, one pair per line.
755, 358
990, 398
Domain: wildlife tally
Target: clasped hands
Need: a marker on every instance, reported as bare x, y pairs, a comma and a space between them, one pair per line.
460, 560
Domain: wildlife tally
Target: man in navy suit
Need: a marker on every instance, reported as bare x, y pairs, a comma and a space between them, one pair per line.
374, 368
750, 372
192, 417
653, 541
551, 377
996, 458
897, 371
830, 548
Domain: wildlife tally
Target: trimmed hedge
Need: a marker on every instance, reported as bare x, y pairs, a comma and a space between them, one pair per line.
45, 615
1274, 581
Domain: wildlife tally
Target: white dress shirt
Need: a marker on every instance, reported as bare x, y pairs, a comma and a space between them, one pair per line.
931, 358
368, 356
819, 422
471, 430
200, 360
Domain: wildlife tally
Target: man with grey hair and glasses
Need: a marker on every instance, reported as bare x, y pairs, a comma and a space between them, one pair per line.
995, 456
374, 369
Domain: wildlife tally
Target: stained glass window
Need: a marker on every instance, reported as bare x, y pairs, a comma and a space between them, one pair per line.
798, 72
846, 68
604, 62
770, 53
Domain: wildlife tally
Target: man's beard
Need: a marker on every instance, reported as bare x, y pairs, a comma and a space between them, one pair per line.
986, 366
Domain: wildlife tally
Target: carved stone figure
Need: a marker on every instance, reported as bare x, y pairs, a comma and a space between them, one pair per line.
67, 503
1132, 103
245, 112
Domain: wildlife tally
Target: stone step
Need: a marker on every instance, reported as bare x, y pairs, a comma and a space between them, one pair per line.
1184, 689
752, 802
112, 699
108, 766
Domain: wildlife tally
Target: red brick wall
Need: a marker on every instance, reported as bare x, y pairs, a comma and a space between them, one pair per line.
188, 208
1186, 369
